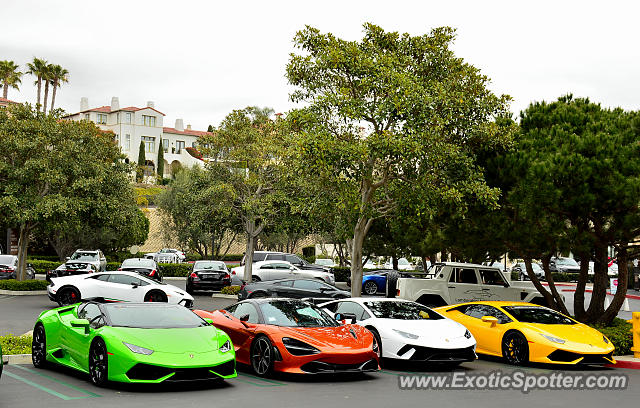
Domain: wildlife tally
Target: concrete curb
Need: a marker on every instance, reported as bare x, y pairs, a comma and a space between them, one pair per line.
629, 362
23, 292
221, 296
17, 359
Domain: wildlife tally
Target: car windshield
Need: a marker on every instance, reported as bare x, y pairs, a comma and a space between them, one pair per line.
6, 259
323, 262
540, 315
567, 261
84, 256
401, 310
216, 266
403, 261
152, 316
292, 313
138, 262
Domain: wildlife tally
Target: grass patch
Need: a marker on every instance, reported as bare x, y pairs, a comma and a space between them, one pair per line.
15, 344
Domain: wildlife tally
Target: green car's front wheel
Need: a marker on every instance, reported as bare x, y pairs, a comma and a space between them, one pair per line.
39, 347
98, 363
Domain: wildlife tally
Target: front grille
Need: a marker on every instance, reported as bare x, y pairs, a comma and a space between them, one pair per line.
437, 355
319, 367
563, 356
150, 372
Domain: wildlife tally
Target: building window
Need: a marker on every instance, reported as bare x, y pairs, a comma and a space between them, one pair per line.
179, 146
127, 142
165, 145
127, 117
101, 118
149, 120
87, 116
149, 144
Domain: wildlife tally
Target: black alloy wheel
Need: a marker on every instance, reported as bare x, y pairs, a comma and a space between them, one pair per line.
377, 343
98, 363
39, 347
155, 296
515, 348
262, 356
68, 296
370, 288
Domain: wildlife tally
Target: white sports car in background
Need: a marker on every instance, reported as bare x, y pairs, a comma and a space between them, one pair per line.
272, 270
409, 331
115, 287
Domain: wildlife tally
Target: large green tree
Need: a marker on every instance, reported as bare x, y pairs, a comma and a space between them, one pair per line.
52, 170
389, 113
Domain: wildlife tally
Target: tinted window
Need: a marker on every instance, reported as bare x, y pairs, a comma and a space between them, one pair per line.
147, 263
259, 257
91, 312
491, 277
216, 266
274, 257
152, 317
125, 279
84, 256
309, 285
353, 307
479, 311
541, 315
103, 277
290, 313
463, 275
244, 309
287, 283
293, 259
401, 310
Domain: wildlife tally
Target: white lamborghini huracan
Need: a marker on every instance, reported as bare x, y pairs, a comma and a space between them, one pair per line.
407, 330
117, 286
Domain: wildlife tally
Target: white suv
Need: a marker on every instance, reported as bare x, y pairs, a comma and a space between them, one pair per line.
93, 257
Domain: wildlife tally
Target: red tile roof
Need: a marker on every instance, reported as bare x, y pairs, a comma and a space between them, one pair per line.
188, 132
7, 101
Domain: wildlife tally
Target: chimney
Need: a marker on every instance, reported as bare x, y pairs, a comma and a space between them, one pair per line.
115, 104
188, 127
179, 125
84, 104
150, 104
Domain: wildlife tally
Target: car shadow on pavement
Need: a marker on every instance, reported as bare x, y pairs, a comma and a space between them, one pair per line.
309, 378
554, 367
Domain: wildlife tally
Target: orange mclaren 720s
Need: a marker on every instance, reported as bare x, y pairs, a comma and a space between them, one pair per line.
294, 336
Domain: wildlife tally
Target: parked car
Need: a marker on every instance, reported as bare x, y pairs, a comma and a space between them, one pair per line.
167, 255
294, 336
523, 333
208, 275
324, 262
92, 256
521, 270
612, 269
9, 266
375, 281
72, 268
403, 265
451, 282
132, 343
272, 270
292, 288
116, 287
564, 265
259, 256
409, 331
143, 266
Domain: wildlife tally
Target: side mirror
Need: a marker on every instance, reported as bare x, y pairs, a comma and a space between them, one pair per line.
134, 285
324, 290
293, 268
244, 319
490, 319
344, 316
80, 323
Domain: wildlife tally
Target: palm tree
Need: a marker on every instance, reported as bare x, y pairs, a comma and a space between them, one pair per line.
37, 68
46, 77
59, 76
10, 76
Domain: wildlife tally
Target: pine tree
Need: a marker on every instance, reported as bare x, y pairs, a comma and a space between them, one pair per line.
141, 163
160, 165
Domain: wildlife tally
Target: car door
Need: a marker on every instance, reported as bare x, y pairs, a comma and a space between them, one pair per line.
495, 287
241, 335
283, 289
464, 285
355, 308
76, 340
125, 288
311, 288
488, 335
276, 270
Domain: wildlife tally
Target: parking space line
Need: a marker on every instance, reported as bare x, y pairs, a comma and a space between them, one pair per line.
41, 387
73, 387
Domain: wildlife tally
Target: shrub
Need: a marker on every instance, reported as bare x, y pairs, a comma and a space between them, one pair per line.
23, 286
341, 273
175, 269
52, 258
15, 344
230, 290
309, 251
619, 332
44, 266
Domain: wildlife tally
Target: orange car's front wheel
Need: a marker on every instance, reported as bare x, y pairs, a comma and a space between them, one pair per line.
262, 356
515, 348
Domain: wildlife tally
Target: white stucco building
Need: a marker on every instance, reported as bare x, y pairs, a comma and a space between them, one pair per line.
131, 125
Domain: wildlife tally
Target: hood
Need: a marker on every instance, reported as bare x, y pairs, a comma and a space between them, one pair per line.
572, 333
174, 341
339, 337
428, 330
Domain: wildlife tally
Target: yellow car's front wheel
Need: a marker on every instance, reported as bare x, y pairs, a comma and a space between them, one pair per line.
515, 348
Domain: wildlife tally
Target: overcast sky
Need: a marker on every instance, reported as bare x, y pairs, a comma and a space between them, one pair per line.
198, 60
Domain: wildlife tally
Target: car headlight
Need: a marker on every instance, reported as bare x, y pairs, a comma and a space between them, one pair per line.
298, 348
405, 334
225, 347
467, 334
553, 339
605, 339
138, 349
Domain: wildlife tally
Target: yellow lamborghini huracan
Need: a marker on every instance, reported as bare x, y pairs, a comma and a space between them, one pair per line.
524, 332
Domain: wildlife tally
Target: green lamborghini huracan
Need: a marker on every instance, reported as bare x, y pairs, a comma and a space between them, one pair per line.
134, 343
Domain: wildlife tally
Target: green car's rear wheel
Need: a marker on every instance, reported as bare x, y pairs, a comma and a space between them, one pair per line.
98, 363
39, 347
262, 356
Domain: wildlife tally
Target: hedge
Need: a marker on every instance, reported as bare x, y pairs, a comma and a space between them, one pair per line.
230, 290
176, 269
23, 286
15, 344
341, 273
619, 332
43, 266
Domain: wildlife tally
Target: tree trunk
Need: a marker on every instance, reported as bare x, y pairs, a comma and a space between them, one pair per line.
39, 92
5, 90
621, 292
46, 95
559, 303
600, 283
252, 233
359, 233
23, 244
578, 299
424, 263
394, 261
548, 297
53, 96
